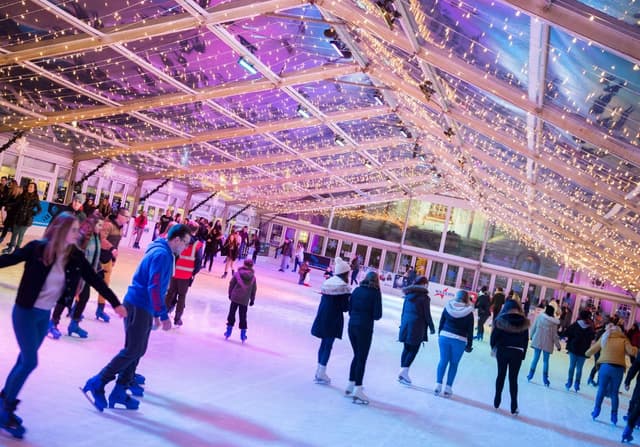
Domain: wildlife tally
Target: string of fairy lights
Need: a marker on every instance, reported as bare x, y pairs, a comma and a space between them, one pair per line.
610, 173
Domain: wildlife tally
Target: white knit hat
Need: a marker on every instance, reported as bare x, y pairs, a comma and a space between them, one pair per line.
340, 266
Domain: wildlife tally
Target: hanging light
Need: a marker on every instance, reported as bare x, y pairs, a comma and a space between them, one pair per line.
339, 141
304, 113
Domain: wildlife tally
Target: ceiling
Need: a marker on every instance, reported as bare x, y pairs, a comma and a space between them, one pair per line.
528, 109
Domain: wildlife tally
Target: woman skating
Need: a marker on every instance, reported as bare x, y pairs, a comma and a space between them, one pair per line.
365, 306
509, 340
544, 335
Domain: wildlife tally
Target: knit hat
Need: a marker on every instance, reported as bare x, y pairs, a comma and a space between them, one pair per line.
340, 266
79, 197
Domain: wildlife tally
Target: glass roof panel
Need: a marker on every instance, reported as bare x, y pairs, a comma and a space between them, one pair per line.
626, 10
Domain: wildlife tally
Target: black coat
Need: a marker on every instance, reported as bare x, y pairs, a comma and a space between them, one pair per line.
496, 303
483, 304
28, 206
36, 272
416, 315
365, 306
510, 330
579, 339
329, 321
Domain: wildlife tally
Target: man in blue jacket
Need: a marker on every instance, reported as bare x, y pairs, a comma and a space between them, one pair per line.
145, 306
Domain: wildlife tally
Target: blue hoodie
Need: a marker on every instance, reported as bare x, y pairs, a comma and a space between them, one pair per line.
151, 279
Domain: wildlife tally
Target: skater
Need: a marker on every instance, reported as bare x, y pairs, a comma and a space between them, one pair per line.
633, 414
286, 249
355, 269
613, 346
211, 244
230, 249
140, 222
299, 256
415, 319
509, 341
145, 307
544, 335
579, 337
303, 272
89, 242
483, 305
329, 322
53, 268
255, 243
365, 306
242, 293
111, 236
27, 206
187, 267
455, 337
496, 302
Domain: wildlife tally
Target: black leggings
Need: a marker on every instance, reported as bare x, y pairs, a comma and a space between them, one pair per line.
408, 355
208, 257
360, 339
511, 359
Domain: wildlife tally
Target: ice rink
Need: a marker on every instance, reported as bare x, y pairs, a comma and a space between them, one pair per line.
205, 391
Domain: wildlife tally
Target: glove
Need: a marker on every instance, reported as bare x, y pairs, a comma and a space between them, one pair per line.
251, 303
468, 349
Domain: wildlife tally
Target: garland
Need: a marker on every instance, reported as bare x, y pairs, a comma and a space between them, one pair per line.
211, 196
11, 141
90, 173
157, 188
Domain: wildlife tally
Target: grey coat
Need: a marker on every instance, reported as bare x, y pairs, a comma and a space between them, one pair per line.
544, 334
242, 287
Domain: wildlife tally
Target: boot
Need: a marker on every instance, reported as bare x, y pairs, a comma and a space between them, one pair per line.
9, 421
74, 328
53, 331
359, 397
626, 434
350, 387
243, 335
139, 379
17, 418
101, 314
545, 379
403, 376
595, 413
447, 391
95, 387
136, 389
321, 377
119, 396
576, 386
227, 333
530, 375
568, 385
438, 389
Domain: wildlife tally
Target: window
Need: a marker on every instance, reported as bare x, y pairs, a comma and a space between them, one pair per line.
425, 225
389, 261
436, 272
465, 234
374, 258
380, 221
332, 248
452, 275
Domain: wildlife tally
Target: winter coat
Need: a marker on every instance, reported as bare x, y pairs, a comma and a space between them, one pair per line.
242, 287
544, 334
329, 321
579, 337
286, 248
416, 315
483, 304
510, 331
496, 303
457, 322
151, 279
11, 207
615, 348
365, 306
28, 205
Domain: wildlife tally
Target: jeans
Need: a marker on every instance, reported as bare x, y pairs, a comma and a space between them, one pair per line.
409, 353
508, 359
30, 327
576, 363
354, 276
545, 362
17, 235
451, 350
284, 264
242, 311
360, 338
609, 382
137, 327
296, 263
325, 350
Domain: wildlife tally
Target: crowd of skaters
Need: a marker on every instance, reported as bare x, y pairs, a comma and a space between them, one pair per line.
67, 269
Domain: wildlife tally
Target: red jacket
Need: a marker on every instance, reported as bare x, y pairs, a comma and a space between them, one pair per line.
189, 261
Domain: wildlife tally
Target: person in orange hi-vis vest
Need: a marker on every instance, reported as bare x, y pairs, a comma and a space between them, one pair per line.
188, 265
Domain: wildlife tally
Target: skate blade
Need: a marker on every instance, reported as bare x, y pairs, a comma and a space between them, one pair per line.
87, 395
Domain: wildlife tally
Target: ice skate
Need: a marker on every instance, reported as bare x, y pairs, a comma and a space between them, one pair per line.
74, 328
227, 333
359, 397
348, 392
243, 335
447, 392
94, 392
438, 389
321, 377
54, 332
9, 422
101, 314
119, 396
403, 376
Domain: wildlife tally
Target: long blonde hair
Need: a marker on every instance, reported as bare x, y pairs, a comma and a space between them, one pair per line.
56, 237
